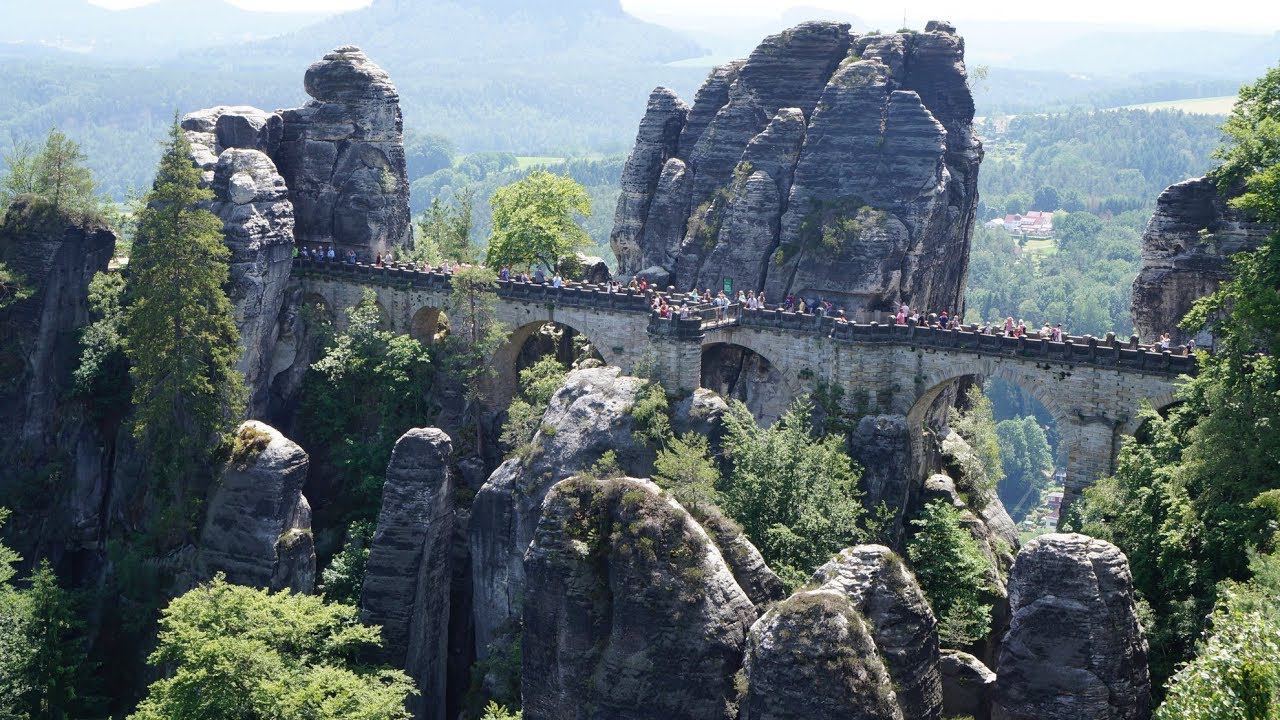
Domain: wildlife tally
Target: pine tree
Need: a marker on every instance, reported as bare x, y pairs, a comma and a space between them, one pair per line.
476, 334
57, 651
181, 339
61, 175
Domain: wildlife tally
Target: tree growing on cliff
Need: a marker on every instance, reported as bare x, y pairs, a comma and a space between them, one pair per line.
246, 654
953, 574
535, 221
795, 495
475, 335
1188, 501
444, 231
56, 173
180, 337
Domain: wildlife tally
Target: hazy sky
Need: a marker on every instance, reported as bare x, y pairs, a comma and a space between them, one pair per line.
1251, 15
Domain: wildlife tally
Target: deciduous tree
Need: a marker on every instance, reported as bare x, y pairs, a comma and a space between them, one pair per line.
535, 221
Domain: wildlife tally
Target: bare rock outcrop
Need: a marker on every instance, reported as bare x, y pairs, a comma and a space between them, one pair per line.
53, 257
812, 657
257, 528
588, 416
881, 444
407, 578
826, 164
342, 155
1075, 649
655, 143
252, 201
884, 592
967, 685
1185, 252
630, 612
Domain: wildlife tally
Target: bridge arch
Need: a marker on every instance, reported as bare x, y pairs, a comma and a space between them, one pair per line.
740, 369
428, 324
507, 360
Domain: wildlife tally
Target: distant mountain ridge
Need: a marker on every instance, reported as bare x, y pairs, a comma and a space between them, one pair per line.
80, 26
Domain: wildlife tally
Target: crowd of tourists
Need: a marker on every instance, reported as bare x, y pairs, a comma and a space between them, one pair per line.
672, 304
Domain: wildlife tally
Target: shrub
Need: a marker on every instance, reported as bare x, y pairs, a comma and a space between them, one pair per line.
953, 573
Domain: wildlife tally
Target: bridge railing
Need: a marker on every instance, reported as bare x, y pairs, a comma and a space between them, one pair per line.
408, 277
1105, 352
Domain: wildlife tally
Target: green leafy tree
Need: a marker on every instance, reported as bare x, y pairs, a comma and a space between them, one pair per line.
1236, 671
977, 425
102, 377
494, 711
444, 231
181, 340
1046, 198
535, 221
246, 654
1017, 203
21, 173
953, 573
343, 580
1025, 456
476, 334
684, 467
13, 287
1189, 498
538, 383
1076, 228
15, 652
54, 637
369, 386
62, 178
795, 495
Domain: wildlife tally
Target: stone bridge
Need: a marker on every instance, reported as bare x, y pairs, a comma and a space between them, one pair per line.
1092, 387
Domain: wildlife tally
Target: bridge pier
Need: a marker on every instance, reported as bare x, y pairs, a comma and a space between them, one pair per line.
1091, 443
675, 351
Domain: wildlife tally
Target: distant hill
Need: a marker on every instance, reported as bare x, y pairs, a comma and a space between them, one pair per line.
162, 28
535, 76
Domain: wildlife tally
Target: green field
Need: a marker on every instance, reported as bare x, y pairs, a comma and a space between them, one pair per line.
1220, 105
528, 161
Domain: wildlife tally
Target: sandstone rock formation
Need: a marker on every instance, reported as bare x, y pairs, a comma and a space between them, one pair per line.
1074, 649
882, 446
342, 155
587, 417
1184, 254
630, 612
257, 220
257, 528
760, 583
881, 589
54, 257
331, 172
407, 578
811, 657
827, 163
967, 685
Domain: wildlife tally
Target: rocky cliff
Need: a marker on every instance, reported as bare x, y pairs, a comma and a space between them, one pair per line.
45, 434
407, 578
630, 612
1075, 649
1185, 252
257, 528
827, 163
329, 173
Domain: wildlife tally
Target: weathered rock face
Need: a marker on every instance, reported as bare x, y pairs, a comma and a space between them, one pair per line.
55, 258
342, 155
587, 417
1074, 647
407, 579
811, 657
257, 529
655, 142
760, 583
967, 685
630, 612
885, 593
257, 223
882, 446
1184, 254
825, 164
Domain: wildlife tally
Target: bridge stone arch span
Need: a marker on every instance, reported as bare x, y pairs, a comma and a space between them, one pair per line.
1092, 387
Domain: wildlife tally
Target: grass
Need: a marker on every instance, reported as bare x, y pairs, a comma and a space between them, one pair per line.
1220, 105
1047, 246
